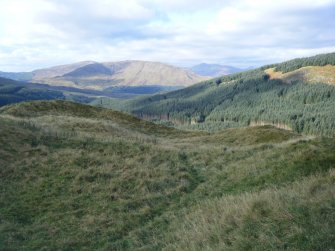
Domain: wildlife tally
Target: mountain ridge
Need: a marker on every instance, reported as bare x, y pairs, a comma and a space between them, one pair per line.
251, 97
98, 76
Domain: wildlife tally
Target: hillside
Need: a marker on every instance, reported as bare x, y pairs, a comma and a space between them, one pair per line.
309, 74
214, 70
298, 94
19, 76
99, 76
12, 91
76, 177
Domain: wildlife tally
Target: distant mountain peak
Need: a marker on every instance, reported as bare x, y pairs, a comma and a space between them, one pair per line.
92, 69
214, 70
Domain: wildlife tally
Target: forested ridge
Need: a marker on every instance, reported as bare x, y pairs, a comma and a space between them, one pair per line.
245, 98
318, 60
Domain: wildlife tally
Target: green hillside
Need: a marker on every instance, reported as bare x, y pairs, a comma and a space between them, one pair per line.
252, 97
76, 177
12, 91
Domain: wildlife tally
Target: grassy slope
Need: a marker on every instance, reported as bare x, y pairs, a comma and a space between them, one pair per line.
89, 178
309, 74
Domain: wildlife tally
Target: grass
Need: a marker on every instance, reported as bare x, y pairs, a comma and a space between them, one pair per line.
310, 74
79, 177
299, 216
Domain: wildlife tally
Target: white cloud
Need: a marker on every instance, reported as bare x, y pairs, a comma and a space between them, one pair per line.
40, 33
125, 9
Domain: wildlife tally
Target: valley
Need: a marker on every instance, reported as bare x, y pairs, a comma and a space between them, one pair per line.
239, 162
87, 81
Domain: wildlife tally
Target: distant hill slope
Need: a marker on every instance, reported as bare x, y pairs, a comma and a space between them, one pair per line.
58, 70
98, 76
19, 76
214, 70
77, 177
12, 91
252, 97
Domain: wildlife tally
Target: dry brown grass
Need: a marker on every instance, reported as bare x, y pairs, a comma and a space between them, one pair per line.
309, 74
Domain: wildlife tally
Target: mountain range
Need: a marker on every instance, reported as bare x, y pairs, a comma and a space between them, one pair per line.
98, 76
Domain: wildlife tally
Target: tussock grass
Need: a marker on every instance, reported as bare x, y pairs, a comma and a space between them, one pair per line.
300, 216
65, 108
76, 177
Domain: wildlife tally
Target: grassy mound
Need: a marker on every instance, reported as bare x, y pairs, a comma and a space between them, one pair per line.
75, 110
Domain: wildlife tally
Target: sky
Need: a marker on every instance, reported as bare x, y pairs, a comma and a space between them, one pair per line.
243, 33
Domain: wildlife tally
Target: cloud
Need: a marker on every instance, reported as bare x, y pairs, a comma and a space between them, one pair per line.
40, 33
